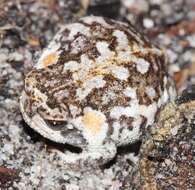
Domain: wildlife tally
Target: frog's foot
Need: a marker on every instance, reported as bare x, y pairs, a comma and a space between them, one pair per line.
90, 157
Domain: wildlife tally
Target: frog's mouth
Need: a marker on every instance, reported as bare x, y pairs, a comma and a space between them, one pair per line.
57, 131
74, 159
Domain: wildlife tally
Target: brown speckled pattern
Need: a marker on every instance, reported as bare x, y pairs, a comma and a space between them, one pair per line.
104, 67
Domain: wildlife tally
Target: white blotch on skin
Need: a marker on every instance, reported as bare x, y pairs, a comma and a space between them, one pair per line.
134, 110
71, 66
74, 110
150, 91
164, 97
89, 85
118, 111
172, 93
119, 72
124, 56
130, 92
116, 128
76, 28
84, 68
165, 80
105, 52
142, 65
121, 39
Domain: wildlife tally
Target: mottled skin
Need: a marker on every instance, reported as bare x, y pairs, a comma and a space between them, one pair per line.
97, 85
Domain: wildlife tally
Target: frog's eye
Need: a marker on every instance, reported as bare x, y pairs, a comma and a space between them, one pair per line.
69, 132
56, 125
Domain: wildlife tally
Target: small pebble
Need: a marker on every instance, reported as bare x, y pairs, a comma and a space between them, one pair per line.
148, 23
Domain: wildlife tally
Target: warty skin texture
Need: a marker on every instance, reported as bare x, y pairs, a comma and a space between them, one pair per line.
97, 86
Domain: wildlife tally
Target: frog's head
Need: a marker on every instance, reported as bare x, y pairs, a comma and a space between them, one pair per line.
48, 106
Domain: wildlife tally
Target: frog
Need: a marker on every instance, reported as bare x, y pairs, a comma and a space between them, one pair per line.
96, 86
